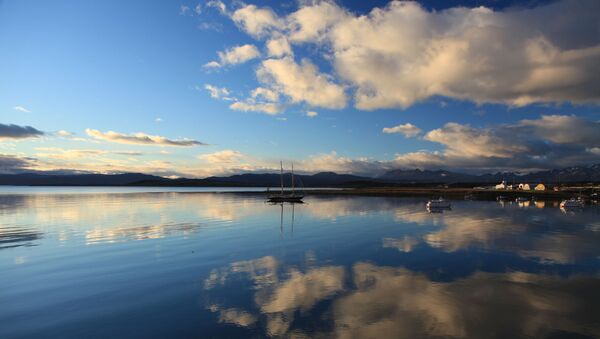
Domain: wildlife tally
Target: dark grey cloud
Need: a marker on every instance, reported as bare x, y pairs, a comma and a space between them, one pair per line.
552, 141
18, 132
10, 164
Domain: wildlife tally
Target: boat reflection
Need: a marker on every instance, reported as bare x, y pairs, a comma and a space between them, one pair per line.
292, 204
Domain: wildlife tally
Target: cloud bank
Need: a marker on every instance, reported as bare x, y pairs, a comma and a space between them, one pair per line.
401, 54
140, 139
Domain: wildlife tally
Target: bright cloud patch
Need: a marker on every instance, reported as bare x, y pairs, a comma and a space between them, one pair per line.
18, 132
251, 106
402, 53
302, 83
139, 139
221, 157
409, 130
279, 47
235, 55
257, 22
311, 114
266, 94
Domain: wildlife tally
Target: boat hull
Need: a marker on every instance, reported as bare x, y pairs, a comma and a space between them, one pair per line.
571, 204
285, 198
438, 205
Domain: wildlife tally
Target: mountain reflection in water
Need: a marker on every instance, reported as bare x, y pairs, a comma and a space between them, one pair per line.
230, 265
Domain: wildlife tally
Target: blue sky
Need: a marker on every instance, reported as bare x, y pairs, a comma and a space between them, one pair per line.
76, 70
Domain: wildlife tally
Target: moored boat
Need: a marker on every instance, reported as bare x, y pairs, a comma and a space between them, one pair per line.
572, 203
439, 203
292, 196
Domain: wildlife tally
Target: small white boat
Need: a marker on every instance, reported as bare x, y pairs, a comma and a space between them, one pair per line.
439, 203
572, 203
521, 199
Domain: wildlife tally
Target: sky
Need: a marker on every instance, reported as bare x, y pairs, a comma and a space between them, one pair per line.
201, 88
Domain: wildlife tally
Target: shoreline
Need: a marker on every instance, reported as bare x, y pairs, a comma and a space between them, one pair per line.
424, 192
432, 193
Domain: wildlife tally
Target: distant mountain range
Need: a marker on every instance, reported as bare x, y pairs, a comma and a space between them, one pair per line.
589, 173
570, 174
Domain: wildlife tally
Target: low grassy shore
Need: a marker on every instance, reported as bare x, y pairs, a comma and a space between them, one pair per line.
450, 193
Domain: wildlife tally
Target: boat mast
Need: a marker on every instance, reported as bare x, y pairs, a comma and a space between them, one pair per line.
292, 177
281, 164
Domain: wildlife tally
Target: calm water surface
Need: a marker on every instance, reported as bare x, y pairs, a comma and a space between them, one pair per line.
182, 264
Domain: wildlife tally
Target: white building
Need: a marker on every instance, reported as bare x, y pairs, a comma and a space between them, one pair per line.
524, 187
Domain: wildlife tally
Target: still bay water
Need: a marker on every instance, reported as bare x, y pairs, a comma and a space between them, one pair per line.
196, 264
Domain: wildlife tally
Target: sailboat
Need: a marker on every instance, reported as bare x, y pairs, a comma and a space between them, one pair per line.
286, 197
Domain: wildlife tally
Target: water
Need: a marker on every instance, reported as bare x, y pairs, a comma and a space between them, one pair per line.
132, 189
181, 264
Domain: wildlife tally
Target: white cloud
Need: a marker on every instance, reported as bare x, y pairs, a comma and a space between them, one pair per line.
250, 106
212, 64
198, 9
465, 141
265, 93
402, 53
235, 55
21, 109
255, 21
222, 157
311, 114
279, 47
302, 83
409, 130
158, 120
311, 23
139, 139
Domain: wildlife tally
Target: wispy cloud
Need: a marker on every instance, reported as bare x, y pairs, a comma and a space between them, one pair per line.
219, 5
64, 134
221, 93
311, 114
140, 139
21, 109
250, 106
184, 9
221, 157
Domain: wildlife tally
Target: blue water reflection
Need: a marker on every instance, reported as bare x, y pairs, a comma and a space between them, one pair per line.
167, 264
